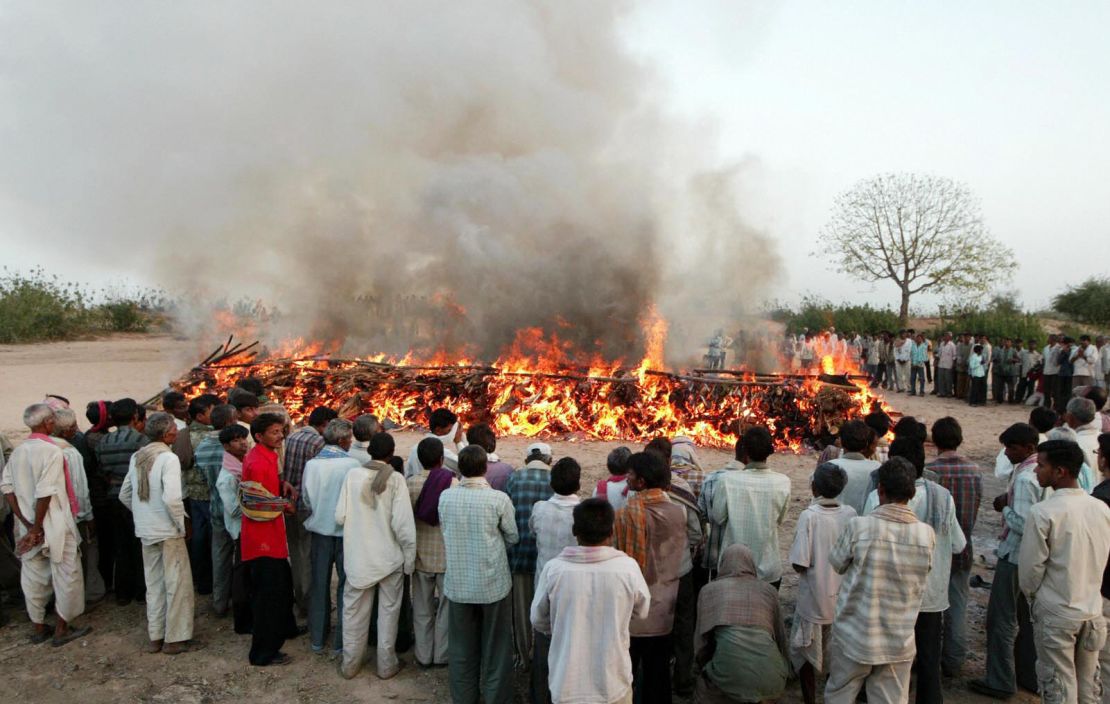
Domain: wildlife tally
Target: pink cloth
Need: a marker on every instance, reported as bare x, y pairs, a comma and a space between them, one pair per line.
70, 493
233, 465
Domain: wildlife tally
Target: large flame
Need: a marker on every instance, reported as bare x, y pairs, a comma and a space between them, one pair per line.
540, 387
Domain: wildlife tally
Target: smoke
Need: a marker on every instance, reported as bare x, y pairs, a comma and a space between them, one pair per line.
389, 174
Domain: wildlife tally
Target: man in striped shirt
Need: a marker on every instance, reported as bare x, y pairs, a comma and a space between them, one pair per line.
885, 558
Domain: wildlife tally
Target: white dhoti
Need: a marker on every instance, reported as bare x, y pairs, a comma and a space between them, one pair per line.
356, 622
169, 591
42, 577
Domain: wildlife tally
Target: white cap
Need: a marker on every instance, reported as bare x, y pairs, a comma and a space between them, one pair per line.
541, 448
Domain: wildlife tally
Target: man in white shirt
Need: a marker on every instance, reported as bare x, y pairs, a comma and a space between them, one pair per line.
855, 438
585, 598
754, 506
1060, 569
902, 353
1085, 358
35, 485
374, 505
152, 492
946, 366
65, 430
1082, 417
366, 426
444, 426
1050, 374
321, 484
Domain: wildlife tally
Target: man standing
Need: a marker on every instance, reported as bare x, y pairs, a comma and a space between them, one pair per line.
526, 486
903, 352
113, 454
963, 352
1084, 358
198, 496
1030, 358
1011, 369
885, 558
443, 425
961, 477
651, 529
65, 434
366, 426
478, 524
1060, 569
302, 445
373, 505
208, 459
323, 482
152, 492
585, 599
1081, 416
1007, 610
266, 500
1050, 375
39, 492
946, 363
754, 506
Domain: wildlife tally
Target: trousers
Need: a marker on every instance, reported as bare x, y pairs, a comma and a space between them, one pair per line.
223, 559
888, 683
40, 578
524, 587
902, 375
480, 652
1068, 658
325, 553
300, 545
200, 544
271, 602
1006, 611
429, 618
1104, 656
169, 591
129, 580
685, 619
1050, 385
954, 650
651, 669
927, 636
945, 385
357, 605
90, 560
917, 379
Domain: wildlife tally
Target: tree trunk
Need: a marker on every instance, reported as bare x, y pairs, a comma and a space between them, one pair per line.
904, 311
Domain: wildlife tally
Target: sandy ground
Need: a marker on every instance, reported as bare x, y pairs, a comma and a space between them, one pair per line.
109, 665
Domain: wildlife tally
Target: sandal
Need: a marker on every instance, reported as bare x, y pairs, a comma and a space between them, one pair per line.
71, 636
41, 636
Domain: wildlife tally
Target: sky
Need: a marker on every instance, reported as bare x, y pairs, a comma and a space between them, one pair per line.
805, 99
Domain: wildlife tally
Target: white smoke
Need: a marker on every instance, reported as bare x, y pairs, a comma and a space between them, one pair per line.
339, 159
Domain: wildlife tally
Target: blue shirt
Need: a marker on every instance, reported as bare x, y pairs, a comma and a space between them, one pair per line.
526, 486
919, 354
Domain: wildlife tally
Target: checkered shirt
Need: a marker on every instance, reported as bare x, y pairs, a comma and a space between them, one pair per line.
963, 479
431, 555
302, 445
693, 476
208, 460
477, 524
526, 486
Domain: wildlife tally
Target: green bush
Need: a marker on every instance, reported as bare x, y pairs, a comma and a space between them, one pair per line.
817, 314
1002, 317
37, 307
1089, 302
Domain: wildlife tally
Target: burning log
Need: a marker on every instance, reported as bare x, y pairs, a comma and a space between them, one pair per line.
621, 404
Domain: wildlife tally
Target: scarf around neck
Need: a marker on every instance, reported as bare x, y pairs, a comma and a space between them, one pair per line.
427, 504
631, 530
587, 554
736, 597
603, 488
233, 465
144, 462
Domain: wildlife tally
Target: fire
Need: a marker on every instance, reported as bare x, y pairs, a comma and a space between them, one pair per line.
538, 387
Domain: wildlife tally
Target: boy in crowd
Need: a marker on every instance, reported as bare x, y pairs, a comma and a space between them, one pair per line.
885, 558
962, 478
751, 505
855, 439
586, 597
429, 605
208, 460
819, 527
552, 523
497, 471
478, 525
233, 440
614, 489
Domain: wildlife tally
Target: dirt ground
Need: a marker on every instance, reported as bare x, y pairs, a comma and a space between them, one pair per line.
109, 665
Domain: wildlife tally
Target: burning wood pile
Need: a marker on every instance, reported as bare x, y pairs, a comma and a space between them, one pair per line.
615, 403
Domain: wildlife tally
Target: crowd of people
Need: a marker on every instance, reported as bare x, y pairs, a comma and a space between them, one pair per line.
961, 365
664, 582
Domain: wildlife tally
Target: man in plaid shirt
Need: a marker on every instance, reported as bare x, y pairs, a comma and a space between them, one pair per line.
302, 445
525, 487
963, 479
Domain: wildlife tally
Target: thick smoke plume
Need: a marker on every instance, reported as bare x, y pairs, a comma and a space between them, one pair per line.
388, 174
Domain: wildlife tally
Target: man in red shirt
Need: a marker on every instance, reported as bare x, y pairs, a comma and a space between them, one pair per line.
265, 550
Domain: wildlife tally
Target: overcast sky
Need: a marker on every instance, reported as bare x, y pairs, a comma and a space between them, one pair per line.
1010, 97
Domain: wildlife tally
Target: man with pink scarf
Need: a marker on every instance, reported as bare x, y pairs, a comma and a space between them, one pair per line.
39, 491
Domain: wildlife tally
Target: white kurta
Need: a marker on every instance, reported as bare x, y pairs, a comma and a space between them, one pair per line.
35, 471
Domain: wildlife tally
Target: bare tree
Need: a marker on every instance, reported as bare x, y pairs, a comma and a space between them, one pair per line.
921, 232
